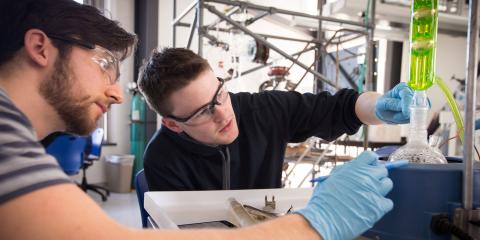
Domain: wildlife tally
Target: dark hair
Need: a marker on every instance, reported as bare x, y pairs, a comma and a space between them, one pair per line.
62, 18
166, 72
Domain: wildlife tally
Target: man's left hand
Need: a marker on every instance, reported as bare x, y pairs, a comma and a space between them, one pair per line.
394, 106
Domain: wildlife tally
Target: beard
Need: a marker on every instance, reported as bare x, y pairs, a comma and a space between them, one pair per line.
71, 105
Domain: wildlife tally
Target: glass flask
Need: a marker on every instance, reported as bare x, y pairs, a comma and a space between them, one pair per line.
417, 149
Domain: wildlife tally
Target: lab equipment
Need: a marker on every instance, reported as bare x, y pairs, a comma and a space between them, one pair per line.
423, 39
361, 183
240, 213
421, 193
417, 149
388, 165
138, 130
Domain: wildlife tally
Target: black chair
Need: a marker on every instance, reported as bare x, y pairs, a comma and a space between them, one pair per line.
141, 186
75, 152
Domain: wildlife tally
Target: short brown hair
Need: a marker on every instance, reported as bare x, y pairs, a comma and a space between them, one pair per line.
64, 18
166, 72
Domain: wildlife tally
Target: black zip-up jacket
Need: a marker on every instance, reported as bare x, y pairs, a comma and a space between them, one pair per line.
267, 121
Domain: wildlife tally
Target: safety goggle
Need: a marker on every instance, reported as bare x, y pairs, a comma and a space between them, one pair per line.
205, 113
103, 57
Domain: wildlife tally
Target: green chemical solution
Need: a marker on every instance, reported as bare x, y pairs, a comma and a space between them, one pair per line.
423, 37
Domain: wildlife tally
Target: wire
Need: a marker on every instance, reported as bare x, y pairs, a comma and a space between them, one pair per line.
456, 136
444, 142
476, 150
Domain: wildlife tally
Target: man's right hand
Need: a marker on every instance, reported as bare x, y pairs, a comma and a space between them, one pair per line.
350, 200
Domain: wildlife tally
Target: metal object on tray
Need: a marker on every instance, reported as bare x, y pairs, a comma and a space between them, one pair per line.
270, 205
247, 215
241, 215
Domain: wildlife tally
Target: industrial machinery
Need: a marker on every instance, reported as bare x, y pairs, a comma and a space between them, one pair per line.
425, 197
428, 197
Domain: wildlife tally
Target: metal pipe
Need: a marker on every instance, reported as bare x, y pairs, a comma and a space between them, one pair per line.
205, 29
212, 40
317, 162
219, 20
199, 26
183, 24
460, 5
192, 29
273, 10
208, 28
289, 38
301, 79
185, 12
291, 65
344, 72
174, 26
370, 62
270, 63
256, 18
370, 48
360, 34
470, 102
311, 142
348, 39
266, 43
318, 53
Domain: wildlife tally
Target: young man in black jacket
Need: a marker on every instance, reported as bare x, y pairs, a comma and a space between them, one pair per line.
211, 139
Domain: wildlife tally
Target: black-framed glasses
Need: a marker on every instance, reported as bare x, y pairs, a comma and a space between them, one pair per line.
104, 58
205, 113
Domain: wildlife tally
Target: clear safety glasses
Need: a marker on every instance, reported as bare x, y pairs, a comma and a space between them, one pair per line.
104, 58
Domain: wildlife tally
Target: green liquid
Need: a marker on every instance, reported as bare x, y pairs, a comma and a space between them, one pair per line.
423, 38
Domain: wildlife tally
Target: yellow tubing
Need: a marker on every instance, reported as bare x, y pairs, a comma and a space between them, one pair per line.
452, 104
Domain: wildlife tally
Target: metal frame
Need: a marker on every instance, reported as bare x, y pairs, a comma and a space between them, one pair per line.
468, 213
198, 26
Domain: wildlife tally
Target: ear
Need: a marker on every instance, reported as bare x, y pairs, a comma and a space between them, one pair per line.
171, 124
38, 47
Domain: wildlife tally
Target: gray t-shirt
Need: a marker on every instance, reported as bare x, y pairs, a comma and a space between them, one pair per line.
24, 165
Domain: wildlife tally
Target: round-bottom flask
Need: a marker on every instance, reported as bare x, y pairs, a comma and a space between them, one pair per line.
417, 149
418, 153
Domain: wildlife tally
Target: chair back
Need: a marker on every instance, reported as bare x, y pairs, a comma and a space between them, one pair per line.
141, 186
69, 152
94, 148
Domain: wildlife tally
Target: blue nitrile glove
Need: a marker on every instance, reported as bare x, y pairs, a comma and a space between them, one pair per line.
350, 200
394, 106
